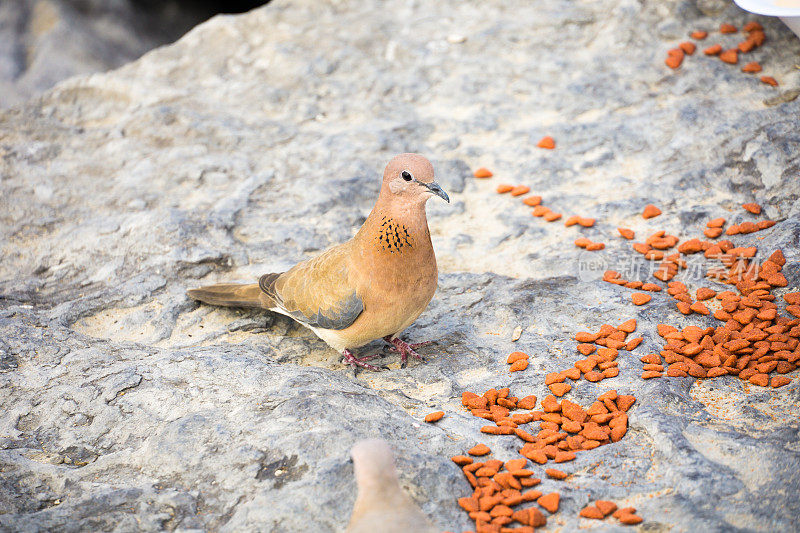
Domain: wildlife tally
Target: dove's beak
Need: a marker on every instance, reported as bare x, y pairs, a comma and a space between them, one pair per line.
437, 190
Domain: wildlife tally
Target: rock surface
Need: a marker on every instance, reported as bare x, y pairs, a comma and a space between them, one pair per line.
256, 141
45, 41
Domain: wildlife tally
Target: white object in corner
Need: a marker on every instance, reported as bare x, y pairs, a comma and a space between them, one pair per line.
787, 10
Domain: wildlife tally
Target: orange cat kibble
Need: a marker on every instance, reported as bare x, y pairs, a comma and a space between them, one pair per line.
532, 201
555, 474
751, 68
434, 417
479, 449
591, 512
482, 173
559, 389
504, 188
674, 61
752, 208
752, 26
518, 366
547, 142
519, 190
730, 56
650, 211
713, 50
550, 502
626, 233
516, 356
640, 298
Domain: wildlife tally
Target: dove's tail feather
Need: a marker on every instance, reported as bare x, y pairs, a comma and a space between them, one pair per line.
233, 295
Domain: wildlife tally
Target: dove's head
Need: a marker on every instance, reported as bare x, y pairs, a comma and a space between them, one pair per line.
409, 178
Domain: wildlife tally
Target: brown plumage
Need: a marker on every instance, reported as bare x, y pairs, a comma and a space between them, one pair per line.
381, 505
372, 286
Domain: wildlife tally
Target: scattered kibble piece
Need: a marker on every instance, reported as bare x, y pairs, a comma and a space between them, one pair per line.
769, 80
555, 474
752, 26
626, 233
591, 512
518, 366
746, 46
704, 293
606, 507
623, 511
687, 47
550, 502
640, 298
713, 50
434, 417
727, 28
752, 208
516, 356
650, 211
674, 61
560, 389
504, 188
479, 449
532, 201
552, 216
730, 56
757, 37
630, 519
751, 67
519, 190
483, 173
698, 35
779, 381
547, 142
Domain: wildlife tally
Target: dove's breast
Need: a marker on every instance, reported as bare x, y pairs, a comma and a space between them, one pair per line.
397, 280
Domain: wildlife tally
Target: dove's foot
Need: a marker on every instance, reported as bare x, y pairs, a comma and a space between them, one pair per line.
405, 349
350, 359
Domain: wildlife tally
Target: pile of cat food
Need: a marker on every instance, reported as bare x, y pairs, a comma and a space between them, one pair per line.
755, 343
565, 428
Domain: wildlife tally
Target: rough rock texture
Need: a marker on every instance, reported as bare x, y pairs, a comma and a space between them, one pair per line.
45, 41
256, 141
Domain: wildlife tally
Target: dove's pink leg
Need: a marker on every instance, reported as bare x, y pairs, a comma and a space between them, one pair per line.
405, 349
350, 359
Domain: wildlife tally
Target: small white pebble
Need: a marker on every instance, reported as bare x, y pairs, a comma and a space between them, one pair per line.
455, 38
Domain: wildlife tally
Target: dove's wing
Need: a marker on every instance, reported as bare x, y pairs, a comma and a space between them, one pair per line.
319, 292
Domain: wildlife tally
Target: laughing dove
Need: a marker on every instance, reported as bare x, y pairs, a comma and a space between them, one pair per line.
373, 286
381, 505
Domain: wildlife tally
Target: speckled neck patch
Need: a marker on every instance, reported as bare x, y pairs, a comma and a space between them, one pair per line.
393, 236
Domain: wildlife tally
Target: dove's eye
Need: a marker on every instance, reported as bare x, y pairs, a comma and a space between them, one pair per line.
407, 175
